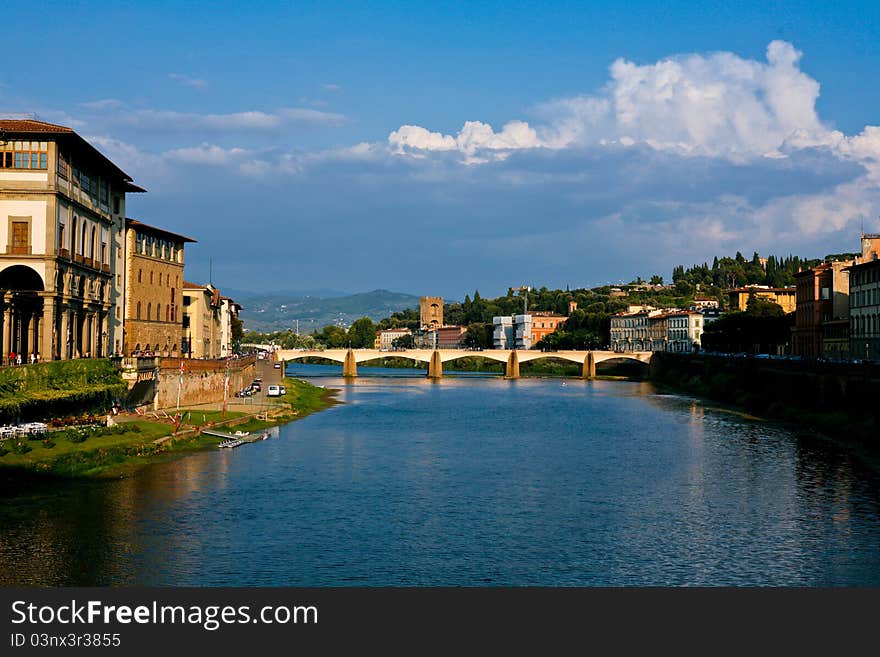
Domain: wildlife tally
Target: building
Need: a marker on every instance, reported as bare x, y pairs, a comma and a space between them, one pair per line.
822, 296
229, 311
449, 337
153, 290
630, 331
62, 209
201, 329
524, 331
430, 313
385, 339
544, 323
864, 309
684, 330
701, 303
786, 297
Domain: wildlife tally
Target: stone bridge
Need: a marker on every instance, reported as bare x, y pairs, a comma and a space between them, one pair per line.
349, 358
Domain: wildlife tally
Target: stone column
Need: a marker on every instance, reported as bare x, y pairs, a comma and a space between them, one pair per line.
64, 333
47, 344
435, 367
512, 369
589, 369
7, 332
349, 367
35, 334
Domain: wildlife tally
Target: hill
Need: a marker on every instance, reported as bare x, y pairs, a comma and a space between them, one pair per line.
277, 311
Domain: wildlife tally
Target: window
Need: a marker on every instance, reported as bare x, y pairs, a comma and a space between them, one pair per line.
20, 238
24, 155
63, 166
105, 192
158, 312
151, 278
149, 310
138, 309
61, 236
116, 205
140, 275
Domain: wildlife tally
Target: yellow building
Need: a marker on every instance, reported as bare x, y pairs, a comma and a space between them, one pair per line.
202, 320
786, 297
153, 289
62, 209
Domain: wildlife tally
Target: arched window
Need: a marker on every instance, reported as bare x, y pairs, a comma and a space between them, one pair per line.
158, 312
82, 241
167, 313
149, 311
138, 316
140, 275
93, 245
151, 278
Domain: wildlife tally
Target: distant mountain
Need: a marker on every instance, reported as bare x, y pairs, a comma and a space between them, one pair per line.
275, 311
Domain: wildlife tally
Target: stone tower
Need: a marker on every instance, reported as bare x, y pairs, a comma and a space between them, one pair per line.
431, 312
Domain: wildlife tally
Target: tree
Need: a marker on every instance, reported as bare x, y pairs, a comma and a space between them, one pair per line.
656, 280
403, 342
362, 334
332, 336
237, 329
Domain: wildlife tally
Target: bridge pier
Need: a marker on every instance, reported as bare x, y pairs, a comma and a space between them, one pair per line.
435, 366
512, 369
589, 369
349, 367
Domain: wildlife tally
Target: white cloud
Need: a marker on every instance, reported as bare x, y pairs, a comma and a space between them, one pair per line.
185, 80
717, 105
103, 104
209, 154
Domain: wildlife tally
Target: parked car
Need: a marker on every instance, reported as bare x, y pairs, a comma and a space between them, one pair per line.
277, 366
273, 391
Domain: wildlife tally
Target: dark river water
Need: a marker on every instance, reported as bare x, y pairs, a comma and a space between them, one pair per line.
471, 481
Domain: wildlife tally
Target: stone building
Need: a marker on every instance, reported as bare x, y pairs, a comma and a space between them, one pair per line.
864, 310
229, 311
201, 328
430, 313
822, 297
784, 296
153, 289
62, 209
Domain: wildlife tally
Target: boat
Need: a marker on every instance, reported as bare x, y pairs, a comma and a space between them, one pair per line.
231, 443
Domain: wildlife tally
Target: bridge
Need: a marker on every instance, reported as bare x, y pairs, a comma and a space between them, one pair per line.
349, 358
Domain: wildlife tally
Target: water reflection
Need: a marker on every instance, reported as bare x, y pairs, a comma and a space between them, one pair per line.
473, 481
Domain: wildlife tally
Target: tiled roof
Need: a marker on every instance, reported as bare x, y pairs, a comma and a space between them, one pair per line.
30, 125
134, 223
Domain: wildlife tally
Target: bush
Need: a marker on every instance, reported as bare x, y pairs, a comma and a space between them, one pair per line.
20, 447
75, 436
3, 451
48, 443
135, 428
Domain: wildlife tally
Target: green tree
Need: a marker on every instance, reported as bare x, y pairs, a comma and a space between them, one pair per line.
362, 334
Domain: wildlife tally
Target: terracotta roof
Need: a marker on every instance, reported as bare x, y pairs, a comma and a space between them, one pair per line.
25, 127
193, 285
134, 223
31, 125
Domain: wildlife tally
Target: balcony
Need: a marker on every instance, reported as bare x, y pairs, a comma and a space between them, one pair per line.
64, 253
77, 258
105, 269
88, 262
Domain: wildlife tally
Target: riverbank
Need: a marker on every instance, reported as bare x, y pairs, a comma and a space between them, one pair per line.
835, 401
113, 452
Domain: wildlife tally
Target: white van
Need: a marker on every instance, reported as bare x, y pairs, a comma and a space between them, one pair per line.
273, 391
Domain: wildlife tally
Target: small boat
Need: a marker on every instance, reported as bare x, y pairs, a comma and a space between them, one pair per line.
231, 443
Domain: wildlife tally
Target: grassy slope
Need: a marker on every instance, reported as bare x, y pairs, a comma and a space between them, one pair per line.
120, 454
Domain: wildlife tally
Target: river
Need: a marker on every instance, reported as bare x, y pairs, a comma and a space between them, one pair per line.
471, 481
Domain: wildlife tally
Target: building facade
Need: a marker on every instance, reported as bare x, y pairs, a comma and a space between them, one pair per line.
822, 297
786, 297
153, 290
430, 313
201, 330
864, 310
630, 331
229, 311
62, 209
385, 338
684, 331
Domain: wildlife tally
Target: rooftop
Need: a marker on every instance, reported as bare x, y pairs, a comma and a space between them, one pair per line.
28, 127
160, 232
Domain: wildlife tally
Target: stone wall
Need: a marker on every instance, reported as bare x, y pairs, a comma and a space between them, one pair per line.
202, 380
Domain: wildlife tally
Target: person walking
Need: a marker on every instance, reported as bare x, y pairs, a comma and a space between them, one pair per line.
18, 359
12, 358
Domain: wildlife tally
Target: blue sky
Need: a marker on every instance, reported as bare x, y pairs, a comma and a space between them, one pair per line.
437, 147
